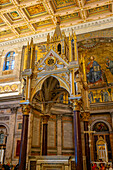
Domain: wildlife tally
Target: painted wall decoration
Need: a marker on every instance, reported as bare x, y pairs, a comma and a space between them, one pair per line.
100, 127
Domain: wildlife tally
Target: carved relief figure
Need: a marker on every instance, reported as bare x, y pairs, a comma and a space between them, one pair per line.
94, 73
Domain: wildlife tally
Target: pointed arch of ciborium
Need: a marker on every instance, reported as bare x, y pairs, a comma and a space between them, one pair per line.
48, 93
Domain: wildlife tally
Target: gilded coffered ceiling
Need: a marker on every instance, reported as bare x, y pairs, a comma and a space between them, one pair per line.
19, 18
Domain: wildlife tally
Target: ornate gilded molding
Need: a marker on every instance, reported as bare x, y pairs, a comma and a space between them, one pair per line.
79, 28
76, 102
26, 109
85, 116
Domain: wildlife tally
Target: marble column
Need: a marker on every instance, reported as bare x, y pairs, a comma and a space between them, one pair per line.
112, 119
44, 137
24, 136
85, 117
77, 137
59, 134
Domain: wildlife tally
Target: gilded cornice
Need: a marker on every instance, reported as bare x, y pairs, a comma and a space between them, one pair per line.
79, 29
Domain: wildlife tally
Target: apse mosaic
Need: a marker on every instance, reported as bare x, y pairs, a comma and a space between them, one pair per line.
101, 9
98, 55
70, 17
41, 24
35, 10
101, 95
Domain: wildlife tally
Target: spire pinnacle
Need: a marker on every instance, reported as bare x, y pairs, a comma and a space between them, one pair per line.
57, 29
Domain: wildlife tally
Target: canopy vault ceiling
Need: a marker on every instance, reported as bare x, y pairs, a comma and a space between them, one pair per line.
19, 18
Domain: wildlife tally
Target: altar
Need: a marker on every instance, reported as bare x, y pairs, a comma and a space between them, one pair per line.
51, 163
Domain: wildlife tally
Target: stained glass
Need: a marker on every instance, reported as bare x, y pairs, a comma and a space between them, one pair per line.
1, 138
9, 61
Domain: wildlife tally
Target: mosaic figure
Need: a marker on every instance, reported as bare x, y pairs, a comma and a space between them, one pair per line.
90, 96
94, 72
106, 96
97, 100
100, 127
102, 95
109, 65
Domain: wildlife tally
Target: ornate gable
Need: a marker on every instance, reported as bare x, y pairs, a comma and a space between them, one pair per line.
51, 61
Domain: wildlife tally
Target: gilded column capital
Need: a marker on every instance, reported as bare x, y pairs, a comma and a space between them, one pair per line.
26, 109
85, 116
59, 116
45, 118
76, 104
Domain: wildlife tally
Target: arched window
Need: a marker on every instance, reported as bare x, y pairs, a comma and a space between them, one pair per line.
102, 145
1, 137
9, 61
59, 48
